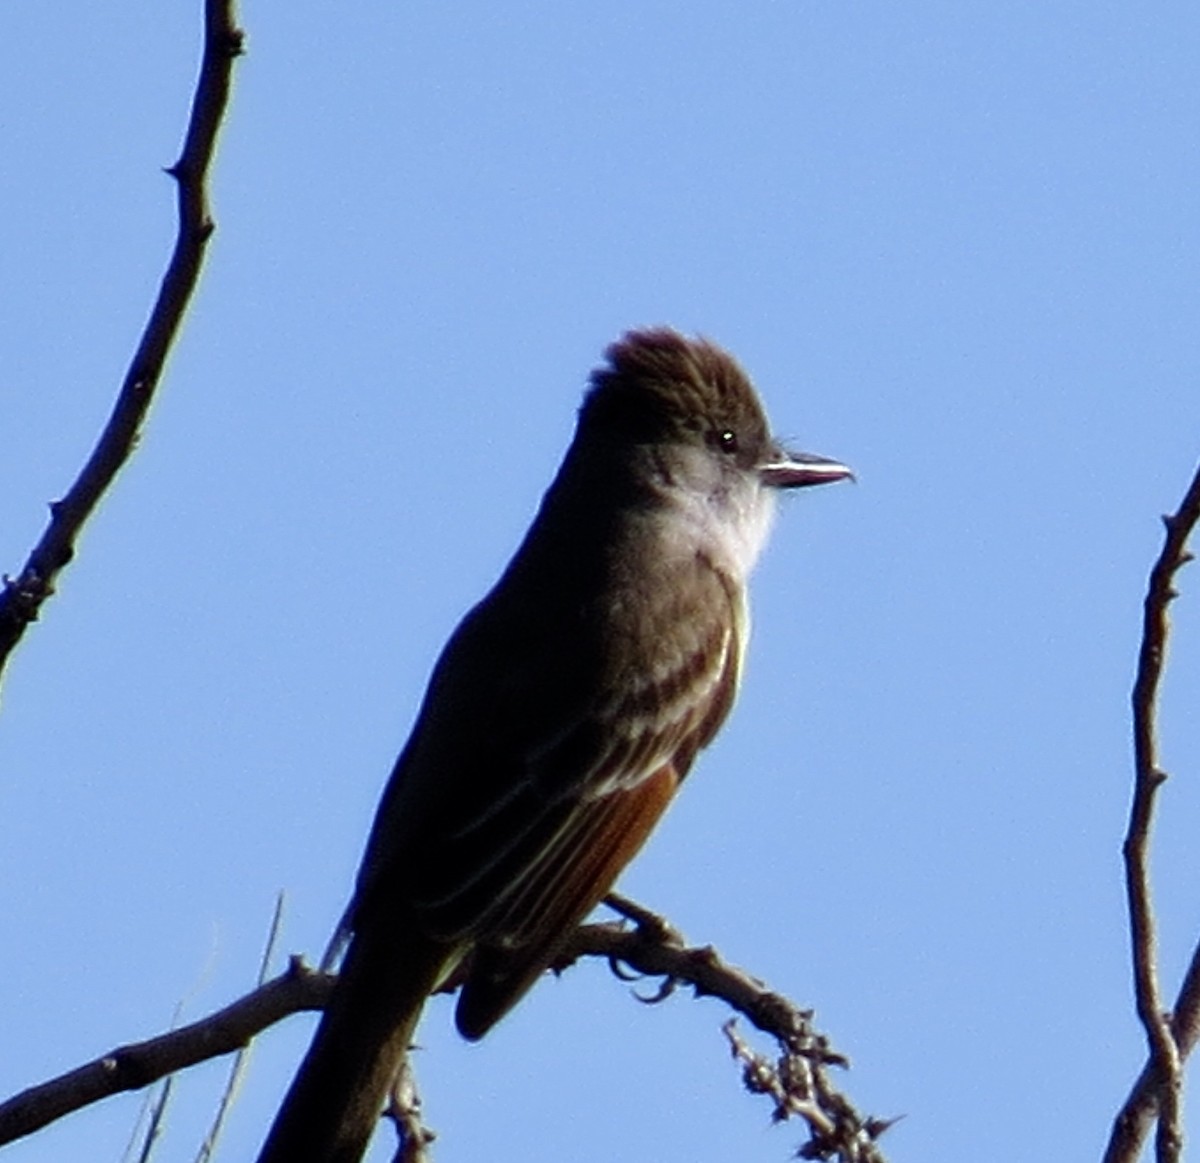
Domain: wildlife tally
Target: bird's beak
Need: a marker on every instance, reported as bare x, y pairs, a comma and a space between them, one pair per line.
796, 470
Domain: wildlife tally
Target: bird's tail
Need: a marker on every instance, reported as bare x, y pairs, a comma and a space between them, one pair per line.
334, 1102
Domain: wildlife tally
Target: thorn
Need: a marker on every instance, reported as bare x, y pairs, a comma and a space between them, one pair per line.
876, 1127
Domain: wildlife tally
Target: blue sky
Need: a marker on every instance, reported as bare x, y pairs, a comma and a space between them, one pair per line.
956, 244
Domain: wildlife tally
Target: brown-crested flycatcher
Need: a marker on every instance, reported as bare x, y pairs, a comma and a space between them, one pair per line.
561, 718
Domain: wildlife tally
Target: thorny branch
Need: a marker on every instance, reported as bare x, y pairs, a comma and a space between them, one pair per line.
651, 947
799, 1082
21, 597
1158, 1091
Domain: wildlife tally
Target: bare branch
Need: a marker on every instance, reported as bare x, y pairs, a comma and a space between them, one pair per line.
141, 1063
1140, 1109
800, 1081
797, 1089
1159, 1090
653, 947
21, 598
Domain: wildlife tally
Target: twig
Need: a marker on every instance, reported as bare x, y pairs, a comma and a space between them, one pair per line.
238, 1069
139, 1064
158, 1114
836, 1132
1160, 1089
800, 1082
1140, 1108
21, 597
404, 1109
154, 1110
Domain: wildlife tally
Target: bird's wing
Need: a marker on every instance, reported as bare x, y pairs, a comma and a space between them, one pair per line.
520, 798
566, 881
650, 736
644, 737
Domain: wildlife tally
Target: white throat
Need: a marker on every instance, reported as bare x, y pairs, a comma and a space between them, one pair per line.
728, 522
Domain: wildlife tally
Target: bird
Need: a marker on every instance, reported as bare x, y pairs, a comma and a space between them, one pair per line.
560, 720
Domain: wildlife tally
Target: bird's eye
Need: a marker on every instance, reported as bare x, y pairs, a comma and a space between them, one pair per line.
727, 440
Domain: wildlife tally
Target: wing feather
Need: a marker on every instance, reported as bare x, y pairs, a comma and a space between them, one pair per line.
506, 836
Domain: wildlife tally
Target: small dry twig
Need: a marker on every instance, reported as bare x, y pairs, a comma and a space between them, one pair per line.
404, 1110
797, 1088
242, 1057
21, 598
1158, 1092
158, 1114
